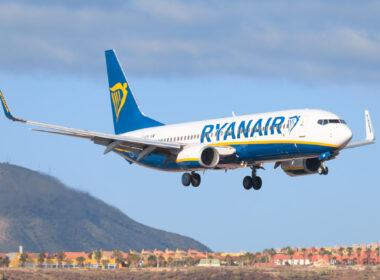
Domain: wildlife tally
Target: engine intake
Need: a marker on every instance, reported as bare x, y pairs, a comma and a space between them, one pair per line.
301, 167
198, 156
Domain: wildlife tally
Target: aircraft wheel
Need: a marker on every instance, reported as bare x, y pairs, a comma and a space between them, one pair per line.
195, 179
326, 171
320, 170
247, 182
186, 179
257, 183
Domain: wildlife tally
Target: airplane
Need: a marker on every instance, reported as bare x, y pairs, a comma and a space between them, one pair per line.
300, 141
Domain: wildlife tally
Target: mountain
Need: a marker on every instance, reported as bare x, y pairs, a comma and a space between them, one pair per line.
40, 213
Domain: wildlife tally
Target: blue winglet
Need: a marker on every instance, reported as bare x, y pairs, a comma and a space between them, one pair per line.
7, 112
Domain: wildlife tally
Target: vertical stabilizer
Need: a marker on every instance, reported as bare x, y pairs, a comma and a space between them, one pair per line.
126, 113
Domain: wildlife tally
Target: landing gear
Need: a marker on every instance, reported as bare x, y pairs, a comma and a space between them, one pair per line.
186, 179
247, 182
254, 182
322, 169
194, 179
257, 183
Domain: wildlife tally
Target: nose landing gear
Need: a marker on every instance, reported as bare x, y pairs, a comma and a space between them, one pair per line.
253, 181
323, 169
191, 178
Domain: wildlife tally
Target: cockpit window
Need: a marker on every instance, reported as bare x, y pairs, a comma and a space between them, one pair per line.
324, 122
334, 121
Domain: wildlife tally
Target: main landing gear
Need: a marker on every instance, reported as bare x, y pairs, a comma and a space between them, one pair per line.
191, 178
253, 181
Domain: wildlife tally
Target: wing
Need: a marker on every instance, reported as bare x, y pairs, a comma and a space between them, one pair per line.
143, 147
370, 134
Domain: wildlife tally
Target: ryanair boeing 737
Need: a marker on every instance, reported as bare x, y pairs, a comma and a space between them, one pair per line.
300, 141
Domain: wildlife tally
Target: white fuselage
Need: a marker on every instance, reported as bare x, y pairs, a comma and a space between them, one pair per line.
265, 137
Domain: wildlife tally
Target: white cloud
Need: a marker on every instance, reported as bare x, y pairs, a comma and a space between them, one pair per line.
299, 40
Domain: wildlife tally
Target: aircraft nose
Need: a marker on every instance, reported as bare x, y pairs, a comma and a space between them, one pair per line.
345, 135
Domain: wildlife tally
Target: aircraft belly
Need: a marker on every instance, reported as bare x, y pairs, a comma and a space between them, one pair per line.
278, 151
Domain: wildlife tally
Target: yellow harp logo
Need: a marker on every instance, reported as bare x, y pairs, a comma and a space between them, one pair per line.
118, 94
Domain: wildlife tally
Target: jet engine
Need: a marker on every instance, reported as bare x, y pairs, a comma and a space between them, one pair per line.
301, 167
198, 156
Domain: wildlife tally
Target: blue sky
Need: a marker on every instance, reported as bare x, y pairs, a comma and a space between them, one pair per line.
191, 62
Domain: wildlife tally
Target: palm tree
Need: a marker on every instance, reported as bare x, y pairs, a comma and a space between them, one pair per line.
228, 259
133, 259
190, 261
329, 254
377, 251
105, 262
170, 261
23, 259
60, 257
68, 262
310, 256
241, 259
322, 252
272, 253
349, 252
304, 251
341, 252
266, 253
161, 260
98, 254
248, 258
368, 254
6, 262
258, 257
284, 251
152, 260
358, 253
290, 252
41, 259
118, 256
80, 261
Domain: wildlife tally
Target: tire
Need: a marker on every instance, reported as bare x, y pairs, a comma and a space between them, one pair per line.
186, 179
326, 171
195, 180
247, 182
257, 183
320, 170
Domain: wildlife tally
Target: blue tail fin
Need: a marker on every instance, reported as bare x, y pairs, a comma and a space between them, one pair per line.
126, 113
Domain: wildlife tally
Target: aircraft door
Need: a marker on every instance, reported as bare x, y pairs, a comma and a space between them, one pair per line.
302, 127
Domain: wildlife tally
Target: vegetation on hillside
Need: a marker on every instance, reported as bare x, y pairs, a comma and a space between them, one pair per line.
40, 213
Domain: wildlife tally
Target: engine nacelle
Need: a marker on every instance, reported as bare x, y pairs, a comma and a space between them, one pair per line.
198, 156
301, 167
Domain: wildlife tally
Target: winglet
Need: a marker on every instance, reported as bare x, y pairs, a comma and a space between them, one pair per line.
369, 132
7, 112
